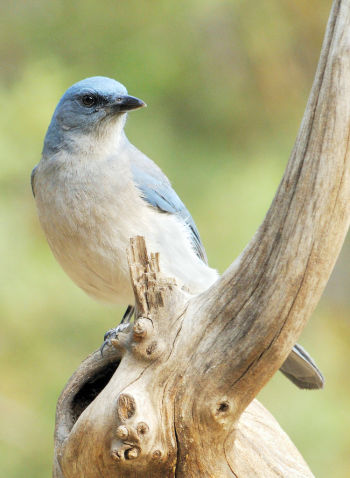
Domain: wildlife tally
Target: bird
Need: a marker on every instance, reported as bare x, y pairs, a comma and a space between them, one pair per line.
94, 190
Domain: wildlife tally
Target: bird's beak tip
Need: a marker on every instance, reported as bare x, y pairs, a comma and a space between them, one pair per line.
129, 103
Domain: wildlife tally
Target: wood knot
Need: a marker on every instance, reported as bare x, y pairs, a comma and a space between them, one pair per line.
142, 328
142, 428
125, 453
116, 454
221, 410
122, 432
156, 455
126, 406
131, 453
151, 348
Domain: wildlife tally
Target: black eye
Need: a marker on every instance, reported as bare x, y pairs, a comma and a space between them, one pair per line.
88, 100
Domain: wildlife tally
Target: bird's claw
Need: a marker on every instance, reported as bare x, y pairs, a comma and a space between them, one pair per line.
112, 334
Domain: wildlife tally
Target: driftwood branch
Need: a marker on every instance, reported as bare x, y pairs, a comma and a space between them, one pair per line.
175, 398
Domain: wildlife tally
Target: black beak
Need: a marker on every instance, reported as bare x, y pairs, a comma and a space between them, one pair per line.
128, 103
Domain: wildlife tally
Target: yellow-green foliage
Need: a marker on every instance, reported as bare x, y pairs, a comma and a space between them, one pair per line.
226, 83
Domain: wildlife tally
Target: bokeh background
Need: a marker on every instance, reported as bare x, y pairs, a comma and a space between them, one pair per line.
226, 83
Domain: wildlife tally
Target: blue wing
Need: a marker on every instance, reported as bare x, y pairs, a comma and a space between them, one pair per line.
157, 191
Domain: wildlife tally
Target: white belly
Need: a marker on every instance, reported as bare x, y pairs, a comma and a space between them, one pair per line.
88, 219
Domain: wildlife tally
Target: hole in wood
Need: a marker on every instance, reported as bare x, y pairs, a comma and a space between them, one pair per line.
90, 389
223, 407
131, 453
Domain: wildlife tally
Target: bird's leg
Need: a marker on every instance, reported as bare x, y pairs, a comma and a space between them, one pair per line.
112, 333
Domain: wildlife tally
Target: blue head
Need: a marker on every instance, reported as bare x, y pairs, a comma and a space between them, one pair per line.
89, 107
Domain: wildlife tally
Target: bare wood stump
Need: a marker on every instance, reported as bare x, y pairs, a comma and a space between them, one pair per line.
123, 417
176, 396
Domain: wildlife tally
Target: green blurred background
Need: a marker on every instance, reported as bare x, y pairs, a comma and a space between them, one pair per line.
226, 83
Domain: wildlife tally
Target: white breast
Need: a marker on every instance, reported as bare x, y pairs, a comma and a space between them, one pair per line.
89, 209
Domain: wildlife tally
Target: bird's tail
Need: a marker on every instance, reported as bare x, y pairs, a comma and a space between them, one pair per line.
302, 370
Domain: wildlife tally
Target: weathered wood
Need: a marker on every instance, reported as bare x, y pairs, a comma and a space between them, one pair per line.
180, 402
130, 428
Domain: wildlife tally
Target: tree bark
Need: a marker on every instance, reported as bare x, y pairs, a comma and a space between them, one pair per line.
176, 396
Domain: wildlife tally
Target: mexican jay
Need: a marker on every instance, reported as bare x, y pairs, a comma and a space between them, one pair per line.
94, 191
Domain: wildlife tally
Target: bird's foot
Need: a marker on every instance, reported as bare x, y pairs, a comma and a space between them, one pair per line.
113, 333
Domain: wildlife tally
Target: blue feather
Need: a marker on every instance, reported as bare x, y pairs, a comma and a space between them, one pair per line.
157, 191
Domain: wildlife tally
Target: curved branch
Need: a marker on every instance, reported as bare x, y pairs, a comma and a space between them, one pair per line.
264, 299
